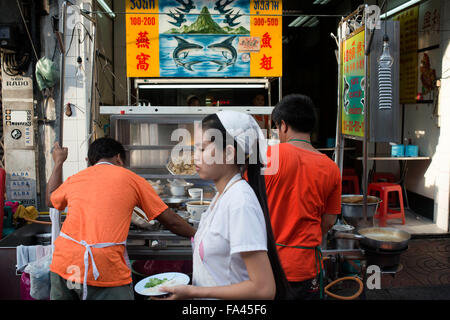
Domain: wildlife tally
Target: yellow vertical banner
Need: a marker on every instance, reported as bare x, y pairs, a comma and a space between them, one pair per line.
409, 20
142, 38
266, 24
353, 77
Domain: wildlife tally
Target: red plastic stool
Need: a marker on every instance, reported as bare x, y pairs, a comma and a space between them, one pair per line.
385, 177
354, 188
349, 172
385, 213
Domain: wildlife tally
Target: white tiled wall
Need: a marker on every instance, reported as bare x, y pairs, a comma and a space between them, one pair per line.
76, 92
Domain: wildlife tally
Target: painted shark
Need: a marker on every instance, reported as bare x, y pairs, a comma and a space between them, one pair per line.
182, 51
228, 51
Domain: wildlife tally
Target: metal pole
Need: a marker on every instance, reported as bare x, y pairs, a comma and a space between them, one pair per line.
338, 154
59, 137
129, 92
366, 105
280, 89
89, 112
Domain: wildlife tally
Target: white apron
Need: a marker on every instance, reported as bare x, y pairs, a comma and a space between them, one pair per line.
201, 276
88, 253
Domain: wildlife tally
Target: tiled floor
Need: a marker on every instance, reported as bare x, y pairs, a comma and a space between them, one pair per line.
426, 263
414, 224
425, 274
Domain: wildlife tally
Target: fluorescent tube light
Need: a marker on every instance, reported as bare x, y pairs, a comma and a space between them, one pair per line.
199, 86
321, 1
298, 21
311, 23
105, 7
399, 8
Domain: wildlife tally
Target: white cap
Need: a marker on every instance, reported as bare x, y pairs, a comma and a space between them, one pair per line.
246, 132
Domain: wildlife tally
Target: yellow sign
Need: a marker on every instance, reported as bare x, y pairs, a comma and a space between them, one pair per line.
142, 36
199, 38
353, 70
268, 61
409, 20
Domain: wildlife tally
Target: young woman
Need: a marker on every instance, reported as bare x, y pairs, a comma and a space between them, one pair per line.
234, 254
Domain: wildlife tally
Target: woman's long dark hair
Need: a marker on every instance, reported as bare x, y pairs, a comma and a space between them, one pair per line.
257, 182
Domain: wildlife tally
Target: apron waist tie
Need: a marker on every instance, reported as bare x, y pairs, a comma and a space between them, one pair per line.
87, 254
318, 256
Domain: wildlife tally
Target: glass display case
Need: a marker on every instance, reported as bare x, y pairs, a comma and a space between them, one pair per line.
153, 142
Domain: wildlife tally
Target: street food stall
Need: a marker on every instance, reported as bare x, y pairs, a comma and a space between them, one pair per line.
176, 51
150, 137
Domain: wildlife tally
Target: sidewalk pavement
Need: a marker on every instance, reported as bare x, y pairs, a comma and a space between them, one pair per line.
425, 274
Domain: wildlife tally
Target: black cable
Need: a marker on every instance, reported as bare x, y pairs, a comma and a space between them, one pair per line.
26, 28
73, 31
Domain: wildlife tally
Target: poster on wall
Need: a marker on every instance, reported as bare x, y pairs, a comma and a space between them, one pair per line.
409, 21
353, 85
204, 38
429, 72
429, 24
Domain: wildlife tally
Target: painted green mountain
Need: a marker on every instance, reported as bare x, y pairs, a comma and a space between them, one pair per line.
206, 25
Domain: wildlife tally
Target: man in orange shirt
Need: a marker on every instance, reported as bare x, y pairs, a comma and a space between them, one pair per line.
304, 196
100, 199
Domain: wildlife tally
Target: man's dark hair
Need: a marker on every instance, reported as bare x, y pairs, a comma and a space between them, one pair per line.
104, 148
297, 111
191, 99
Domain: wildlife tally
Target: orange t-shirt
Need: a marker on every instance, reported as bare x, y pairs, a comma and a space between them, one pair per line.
100, 201
306, 186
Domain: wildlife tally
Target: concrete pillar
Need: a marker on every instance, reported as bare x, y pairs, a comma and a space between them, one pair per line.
442, 182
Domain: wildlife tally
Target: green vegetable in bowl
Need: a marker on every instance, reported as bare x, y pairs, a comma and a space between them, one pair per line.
154, 282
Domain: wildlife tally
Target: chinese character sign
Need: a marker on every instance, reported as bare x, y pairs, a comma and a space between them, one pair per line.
268, 61
142, 38
203, 38
352, 85
408, 53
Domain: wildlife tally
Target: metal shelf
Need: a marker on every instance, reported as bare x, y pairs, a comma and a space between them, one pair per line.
157, 147
126, 111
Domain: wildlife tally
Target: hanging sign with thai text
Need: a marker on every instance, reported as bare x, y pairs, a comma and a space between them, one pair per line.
353, 70
204, 38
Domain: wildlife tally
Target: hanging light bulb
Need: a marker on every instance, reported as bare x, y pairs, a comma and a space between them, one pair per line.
79, 74
385, 62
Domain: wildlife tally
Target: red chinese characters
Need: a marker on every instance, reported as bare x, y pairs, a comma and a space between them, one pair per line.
266, 63
265, 41
353, 126
142, 40
142, 61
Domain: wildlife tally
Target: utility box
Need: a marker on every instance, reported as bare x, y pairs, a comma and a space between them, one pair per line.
19, 144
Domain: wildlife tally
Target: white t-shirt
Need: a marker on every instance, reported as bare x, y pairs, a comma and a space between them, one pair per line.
237, 226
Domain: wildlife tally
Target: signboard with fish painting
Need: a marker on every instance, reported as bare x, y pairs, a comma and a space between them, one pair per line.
204, 38
353, 85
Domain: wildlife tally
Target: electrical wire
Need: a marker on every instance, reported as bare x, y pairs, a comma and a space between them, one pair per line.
26, 28
73, 31
107, 67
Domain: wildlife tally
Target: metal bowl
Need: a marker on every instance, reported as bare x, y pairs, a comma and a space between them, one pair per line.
44, 238
355, 210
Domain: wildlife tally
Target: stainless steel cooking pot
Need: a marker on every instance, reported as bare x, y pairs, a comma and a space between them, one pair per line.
44, 239
342, 243
352, 205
